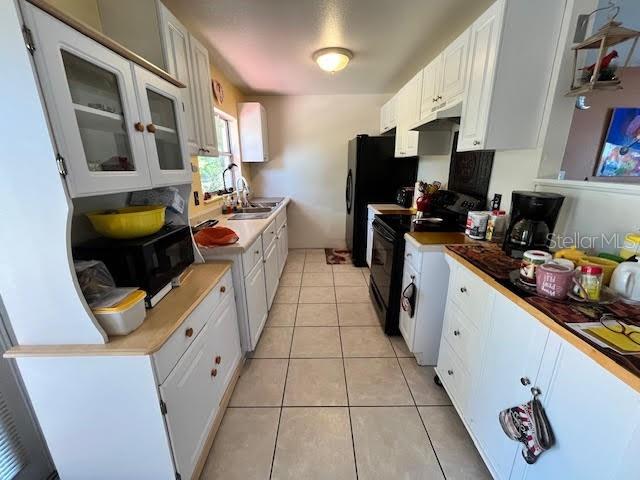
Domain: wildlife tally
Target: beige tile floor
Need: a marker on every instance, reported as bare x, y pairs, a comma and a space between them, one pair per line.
327, 395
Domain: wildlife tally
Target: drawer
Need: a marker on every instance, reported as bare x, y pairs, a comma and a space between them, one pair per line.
462, 336
453, 375
253, 255
470, 293
281, 218
167, 357
407, 324
268, 236
413, 256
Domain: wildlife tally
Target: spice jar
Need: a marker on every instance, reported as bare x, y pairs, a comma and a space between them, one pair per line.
590, 280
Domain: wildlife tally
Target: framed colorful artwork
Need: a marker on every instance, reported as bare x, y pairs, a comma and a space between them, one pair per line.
620, 155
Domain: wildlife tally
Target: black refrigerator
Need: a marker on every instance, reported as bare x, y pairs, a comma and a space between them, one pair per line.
374, 175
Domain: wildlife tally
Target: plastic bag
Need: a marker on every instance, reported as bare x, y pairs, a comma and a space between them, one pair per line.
97, 284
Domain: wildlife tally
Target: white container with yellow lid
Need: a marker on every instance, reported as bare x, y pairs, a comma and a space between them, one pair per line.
123, 317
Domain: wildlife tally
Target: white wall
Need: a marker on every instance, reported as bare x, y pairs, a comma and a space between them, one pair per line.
434, 167
308, 138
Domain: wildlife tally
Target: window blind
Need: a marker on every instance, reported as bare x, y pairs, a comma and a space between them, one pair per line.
13, 457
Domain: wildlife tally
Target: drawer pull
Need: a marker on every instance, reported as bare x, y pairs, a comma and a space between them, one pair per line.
218, 360
214, 372
525, 381
463, 289
189, 332
223, 289
449, 372
409, 255
456, 333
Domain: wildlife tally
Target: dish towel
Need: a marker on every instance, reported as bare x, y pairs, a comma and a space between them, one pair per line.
529, 425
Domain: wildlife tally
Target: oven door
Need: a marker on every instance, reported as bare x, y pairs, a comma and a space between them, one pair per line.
382, 263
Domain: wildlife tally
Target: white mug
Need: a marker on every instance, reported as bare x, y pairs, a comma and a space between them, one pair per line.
626, 280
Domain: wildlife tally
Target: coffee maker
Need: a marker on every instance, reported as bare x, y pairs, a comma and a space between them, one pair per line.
533, 218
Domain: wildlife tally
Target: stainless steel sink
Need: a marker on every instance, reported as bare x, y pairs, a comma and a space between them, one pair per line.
250, 216
267, 201
253, 209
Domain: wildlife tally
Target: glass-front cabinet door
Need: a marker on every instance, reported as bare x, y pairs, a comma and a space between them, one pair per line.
91, 101
164, 124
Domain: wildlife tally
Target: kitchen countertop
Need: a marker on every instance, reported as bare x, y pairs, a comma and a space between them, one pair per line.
427, 240
628, 372
162, 320
247, 230
390, 209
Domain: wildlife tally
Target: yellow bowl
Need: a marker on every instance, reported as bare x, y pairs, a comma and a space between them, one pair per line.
128, 222
608, 266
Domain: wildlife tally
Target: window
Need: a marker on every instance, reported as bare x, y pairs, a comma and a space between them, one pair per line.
211, 168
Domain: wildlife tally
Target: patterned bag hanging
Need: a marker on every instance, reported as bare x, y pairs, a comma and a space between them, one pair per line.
529, 425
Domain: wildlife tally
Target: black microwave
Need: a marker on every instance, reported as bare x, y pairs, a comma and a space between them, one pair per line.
149, 263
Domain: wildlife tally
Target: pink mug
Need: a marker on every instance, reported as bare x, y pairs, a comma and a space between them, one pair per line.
554, 280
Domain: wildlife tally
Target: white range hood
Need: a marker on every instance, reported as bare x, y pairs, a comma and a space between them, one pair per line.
443, 119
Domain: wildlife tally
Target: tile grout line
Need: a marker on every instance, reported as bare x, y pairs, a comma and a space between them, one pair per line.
415, 404
284, 389
344, 370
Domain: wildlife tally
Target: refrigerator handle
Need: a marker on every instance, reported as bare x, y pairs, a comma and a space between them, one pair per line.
348, 191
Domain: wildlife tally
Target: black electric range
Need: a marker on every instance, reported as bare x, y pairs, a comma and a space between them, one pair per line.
387, 260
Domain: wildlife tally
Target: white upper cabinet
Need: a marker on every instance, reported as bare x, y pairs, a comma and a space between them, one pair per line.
203, 98
177, 52
254, 137
94, 109
485, 34
161, 113
388, 115
508, 75
454, 70
431, 77
408, 111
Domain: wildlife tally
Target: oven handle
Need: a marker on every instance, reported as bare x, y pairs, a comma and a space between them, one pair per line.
383, 234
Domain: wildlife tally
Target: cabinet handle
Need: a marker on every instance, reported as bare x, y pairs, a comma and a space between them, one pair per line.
525, 381
223, 289
214, 372
218, 360
456, 333
138, 126
463, 289
434, 99
449, 372
439, 97
409, 255
257, 252
207, 150
476, 142
151, 128
189, 332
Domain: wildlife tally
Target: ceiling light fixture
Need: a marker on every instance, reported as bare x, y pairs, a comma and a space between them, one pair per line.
332, 59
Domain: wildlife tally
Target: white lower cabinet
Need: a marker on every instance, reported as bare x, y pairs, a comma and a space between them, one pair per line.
370, 217
512, 354
140, 415
256, 275
282, 240
595, 417
256, 301
271, 272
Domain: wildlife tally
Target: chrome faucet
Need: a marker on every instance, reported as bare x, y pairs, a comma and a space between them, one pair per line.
243, 191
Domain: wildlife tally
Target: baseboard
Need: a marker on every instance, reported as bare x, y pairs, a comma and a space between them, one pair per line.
216, 423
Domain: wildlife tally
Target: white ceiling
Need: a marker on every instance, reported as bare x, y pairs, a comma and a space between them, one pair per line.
265, 46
